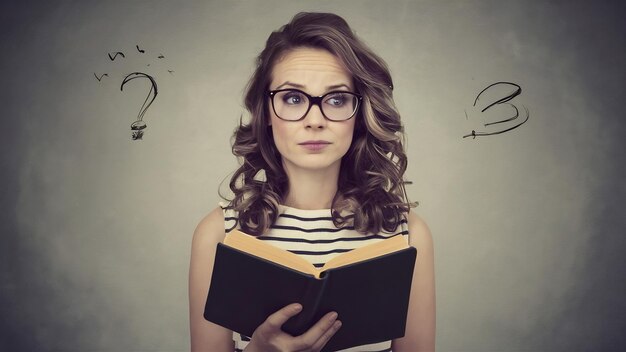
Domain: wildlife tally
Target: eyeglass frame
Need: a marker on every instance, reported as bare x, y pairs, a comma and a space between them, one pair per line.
314, 100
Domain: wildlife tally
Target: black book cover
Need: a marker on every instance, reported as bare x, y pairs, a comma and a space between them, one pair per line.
371, 296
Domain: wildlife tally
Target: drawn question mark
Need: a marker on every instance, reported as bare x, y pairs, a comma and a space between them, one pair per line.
138, 126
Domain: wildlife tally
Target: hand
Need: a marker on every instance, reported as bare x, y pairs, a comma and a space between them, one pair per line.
269, 336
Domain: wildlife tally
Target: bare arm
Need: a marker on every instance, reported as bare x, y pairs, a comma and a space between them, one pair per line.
205, 336
420, 324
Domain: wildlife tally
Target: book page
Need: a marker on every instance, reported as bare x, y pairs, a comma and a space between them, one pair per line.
386, 246
254, 246
259, 248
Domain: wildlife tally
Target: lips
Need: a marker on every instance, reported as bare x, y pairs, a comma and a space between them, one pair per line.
314, 145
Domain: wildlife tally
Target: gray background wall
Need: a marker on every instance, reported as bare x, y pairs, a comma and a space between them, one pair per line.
96, 228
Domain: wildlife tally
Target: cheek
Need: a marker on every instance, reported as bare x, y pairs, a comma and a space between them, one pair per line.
350, 131
346, 137
281, 134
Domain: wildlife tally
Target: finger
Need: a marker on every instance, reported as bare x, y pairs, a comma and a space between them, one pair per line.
277, 319
318, 330
323, 340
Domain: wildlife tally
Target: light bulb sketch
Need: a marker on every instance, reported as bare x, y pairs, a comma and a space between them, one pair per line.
138, 126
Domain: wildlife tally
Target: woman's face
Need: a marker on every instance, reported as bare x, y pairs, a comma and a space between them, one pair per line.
313, 143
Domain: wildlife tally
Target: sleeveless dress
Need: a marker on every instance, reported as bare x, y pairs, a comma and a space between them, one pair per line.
312, 235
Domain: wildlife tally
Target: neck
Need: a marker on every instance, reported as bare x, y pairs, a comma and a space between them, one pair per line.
311, 190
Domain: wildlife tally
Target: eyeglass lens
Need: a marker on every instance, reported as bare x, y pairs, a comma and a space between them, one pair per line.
293, 105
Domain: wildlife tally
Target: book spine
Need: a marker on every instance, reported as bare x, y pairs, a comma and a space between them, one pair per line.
316, 313
310, 308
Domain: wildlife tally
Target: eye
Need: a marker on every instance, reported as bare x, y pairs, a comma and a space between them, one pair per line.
336, 100
292, 98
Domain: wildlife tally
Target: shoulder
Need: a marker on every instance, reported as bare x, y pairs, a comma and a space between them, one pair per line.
210, 230
419, 233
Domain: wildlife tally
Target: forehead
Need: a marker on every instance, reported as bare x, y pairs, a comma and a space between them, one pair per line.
310, 67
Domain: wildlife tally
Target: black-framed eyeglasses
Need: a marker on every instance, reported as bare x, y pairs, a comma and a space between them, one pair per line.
294, 104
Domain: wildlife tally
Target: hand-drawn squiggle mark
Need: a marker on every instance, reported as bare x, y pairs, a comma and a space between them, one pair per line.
161, 56
100, 78
139, 125
517, 91
115, 55
141, 51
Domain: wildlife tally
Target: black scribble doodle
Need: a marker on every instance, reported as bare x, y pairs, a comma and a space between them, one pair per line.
115, 55
138, 126
100, 78
499, 93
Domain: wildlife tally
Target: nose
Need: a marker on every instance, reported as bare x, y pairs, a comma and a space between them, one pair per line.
314, 118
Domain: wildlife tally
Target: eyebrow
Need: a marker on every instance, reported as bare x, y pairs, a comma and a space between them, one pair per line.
300, 86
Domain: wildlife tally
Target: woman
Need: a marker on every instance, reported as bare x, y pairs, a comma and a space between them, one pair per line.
322, 173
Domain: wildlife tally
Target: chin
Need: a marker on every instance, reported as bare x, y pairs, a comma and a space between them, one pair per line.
310, 164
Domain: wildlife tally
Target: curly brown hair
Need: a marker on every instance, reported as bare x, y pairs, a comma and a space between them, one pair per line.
371, 194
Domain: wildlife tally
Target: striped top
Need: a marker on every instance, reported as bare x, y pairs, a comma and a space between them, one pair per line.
312, 235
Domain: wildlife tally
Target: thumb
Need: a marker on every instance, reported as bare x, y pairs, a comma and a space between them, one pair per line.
277, 319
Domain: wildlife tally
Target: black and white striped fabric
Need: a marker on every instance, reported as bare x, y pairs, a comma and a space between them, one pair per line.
312, 235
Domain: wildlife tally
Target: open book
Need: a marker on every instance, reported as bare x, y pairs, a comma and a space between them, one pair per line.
368, 287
